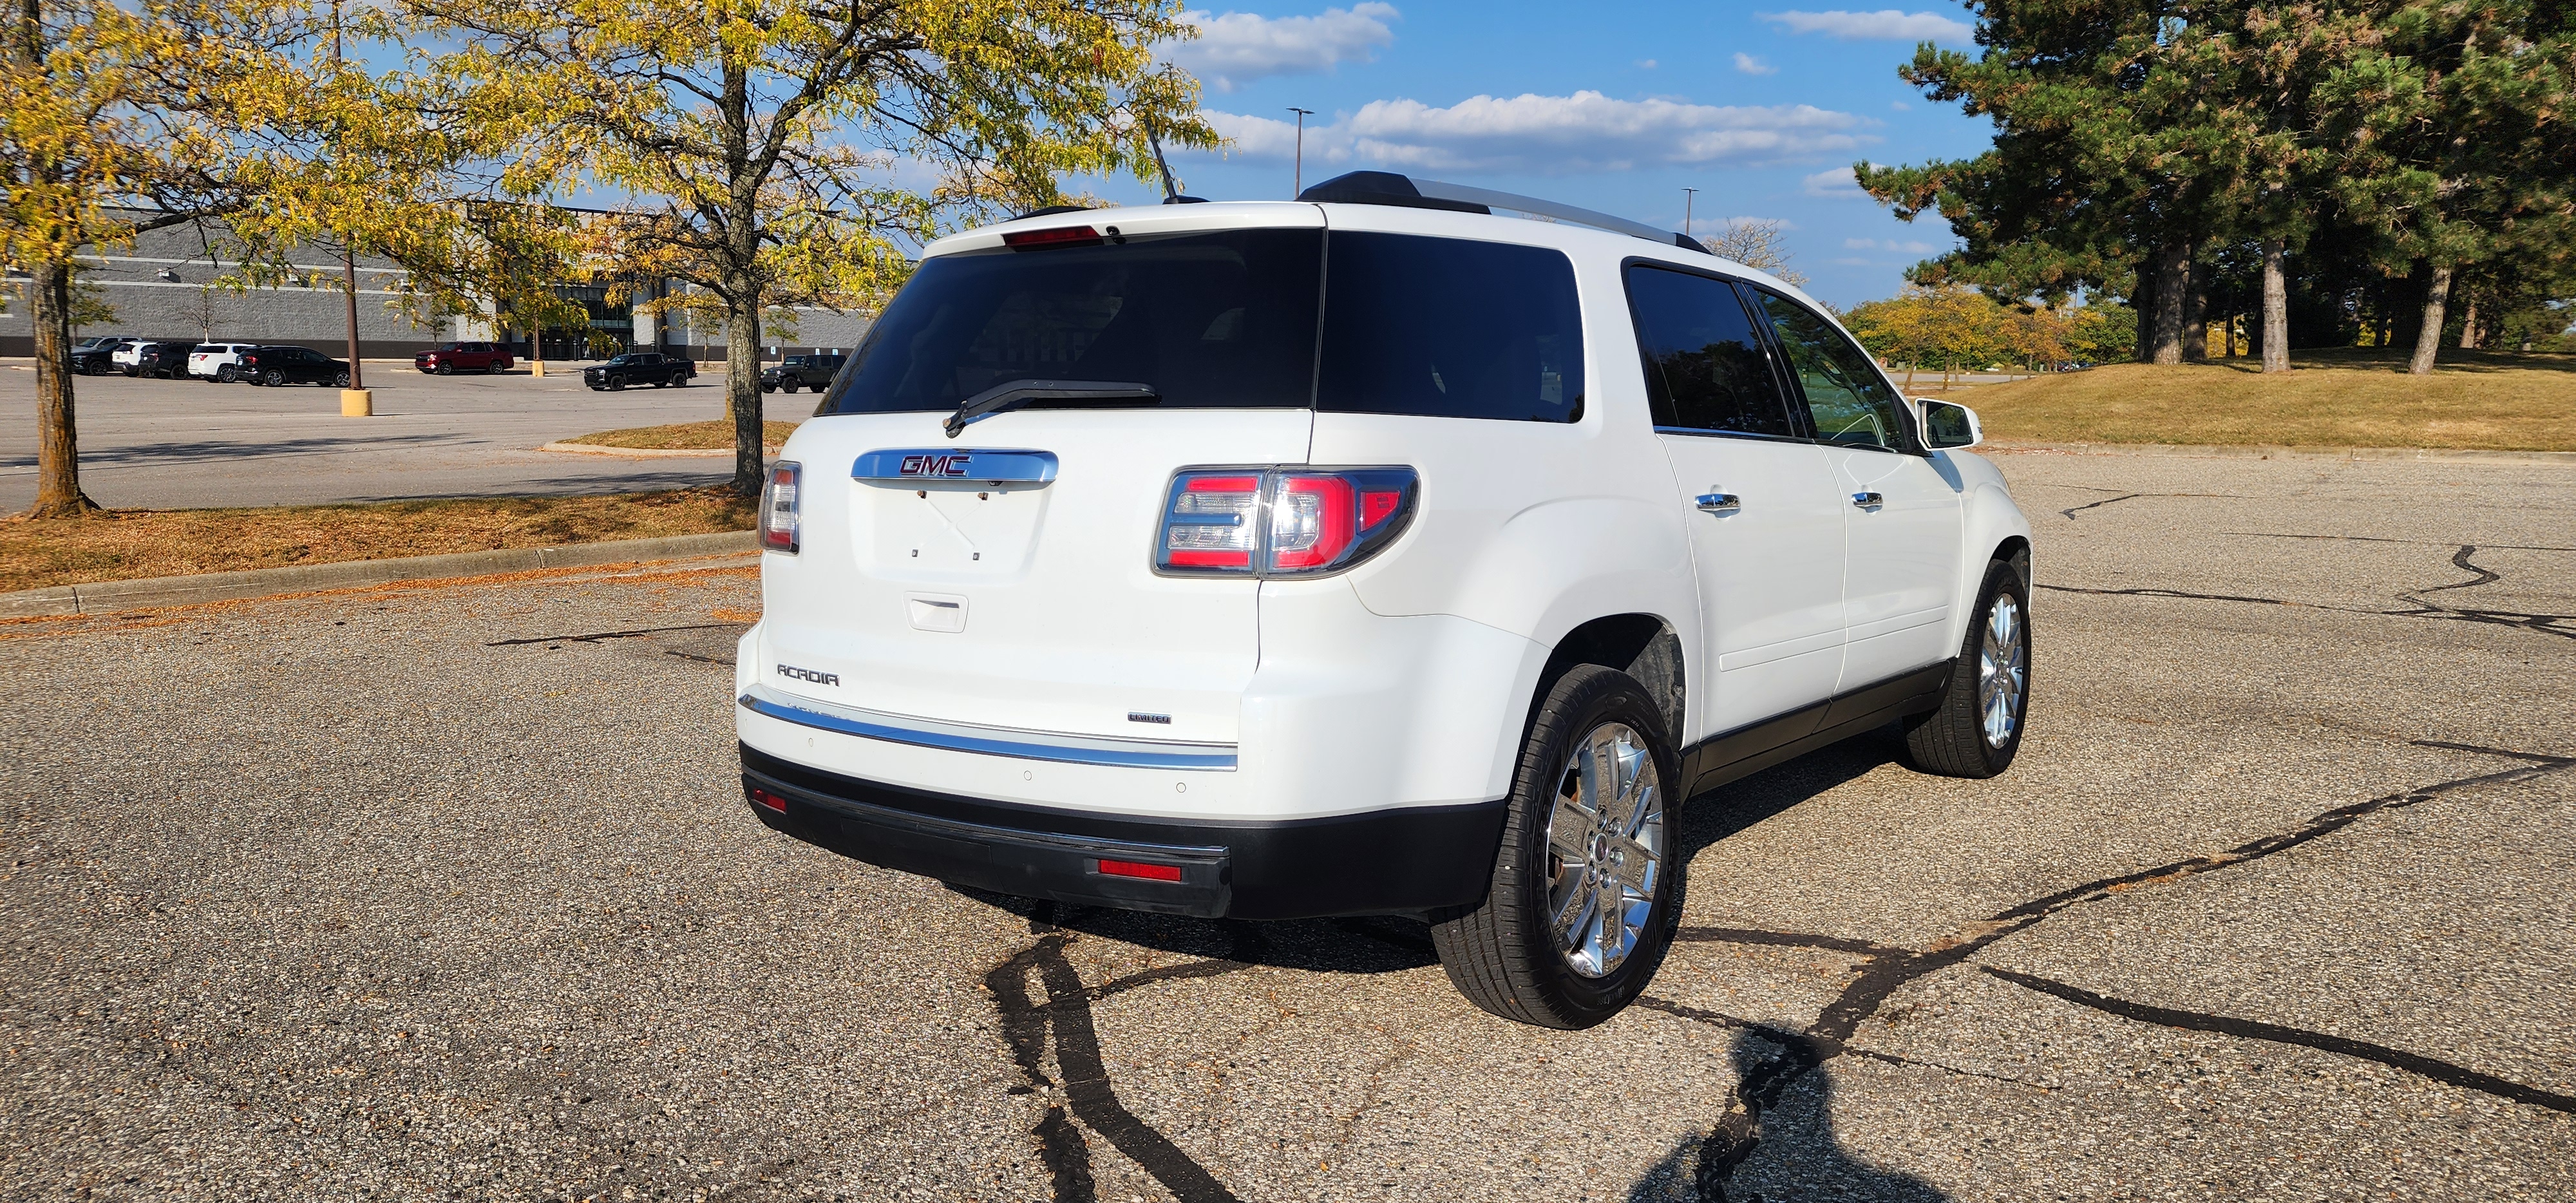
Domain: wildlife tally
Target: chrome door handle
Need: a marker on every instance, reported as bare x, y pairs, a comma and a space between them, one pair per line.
1868, 501
1719, 503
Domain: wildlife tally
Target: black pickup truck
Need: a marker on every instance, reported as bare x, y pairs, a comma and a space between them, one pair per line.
639, 367
808, 371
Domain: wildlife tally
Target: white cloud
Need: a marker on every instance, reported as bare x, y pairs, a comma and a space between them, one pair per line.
1237, 48
1899, 105
1647, 63
1888, 24
1834, 182
1750, 65
1549, 135
1849, 261
1907, 246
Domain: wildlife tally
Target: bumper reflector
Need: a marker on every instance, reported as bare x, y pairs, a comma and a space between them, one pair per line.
771, 801
1129, 868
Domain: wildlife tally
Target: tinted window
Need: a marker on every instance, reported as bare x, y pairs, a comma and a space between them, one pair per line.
1450, 328
1846, 398
1705, 367
1222, 320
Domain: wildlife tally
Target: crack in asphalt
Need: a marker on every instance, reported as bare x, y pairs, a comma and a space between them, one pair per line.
1064, 1019
2546, 624
1886, 969
2264, 534
605, 635
2070, 514
2253, 1029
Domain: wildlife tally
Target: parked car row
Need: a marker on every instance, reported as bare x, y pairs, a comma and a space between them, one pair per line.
213, 363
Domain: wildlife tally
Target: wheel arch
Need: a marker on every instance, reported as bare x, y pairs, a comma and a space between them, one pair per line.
1644, 646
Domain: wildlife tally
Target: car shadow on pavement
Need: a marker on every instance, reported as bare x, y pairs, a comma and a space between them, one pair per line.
1793, 1154
1721, 812
147, 455
1375, 944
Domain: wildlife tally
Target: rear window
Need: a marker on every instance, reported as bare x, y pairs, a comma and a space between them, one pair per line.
1210, 320
1441, 327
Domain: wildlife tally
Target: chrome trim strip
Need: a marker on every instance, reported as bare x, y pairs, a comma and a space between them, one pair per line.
990, 741
917, 466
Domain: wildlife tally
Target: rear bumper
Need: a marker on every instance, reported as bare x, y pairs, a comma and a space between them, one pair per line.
1401, 861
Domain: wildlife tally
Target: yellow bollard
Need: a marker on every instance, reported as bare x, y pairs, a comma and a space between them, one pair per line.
537, 368
357, 403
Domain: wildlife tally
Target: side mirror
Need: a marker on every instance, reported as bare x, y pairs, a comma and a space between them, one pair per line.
1948, 425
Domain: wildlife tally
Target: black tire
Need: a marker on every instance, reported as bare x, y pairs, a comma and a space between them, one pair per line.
786, 386
341, 380
130, 371
768, 387
1502, 953
1952, 741
446, 369
226, 374
616, 383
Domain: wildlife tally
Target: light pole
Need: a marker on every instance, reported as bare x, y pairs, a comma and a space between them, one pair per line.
355, 400
1689, 195
1297, 182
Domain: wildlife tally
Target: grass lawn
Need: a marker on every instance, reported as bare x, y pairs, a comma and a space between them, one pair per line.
124, 544
2332, 398
686, 436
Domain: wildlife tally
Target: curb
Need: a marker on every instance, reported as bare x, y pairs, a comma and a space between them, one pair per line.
2347, 454
633, 452
153, 592
645, 452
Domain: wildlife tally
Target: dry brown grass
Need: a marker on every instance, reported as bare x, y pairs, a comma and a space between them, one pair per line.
684, 436
125, 544
2338, 398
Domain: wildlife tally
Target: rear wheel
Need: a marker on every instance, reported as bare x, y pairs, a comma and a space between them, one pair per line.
226, 374
1978, 726
1586, 889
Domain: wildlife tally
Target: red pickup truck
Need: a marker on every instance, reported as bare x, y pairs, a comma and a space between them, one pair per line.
463, 357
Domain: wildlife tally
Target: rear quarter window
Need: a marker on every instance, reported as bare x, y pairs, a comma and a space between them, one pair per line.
1452, 328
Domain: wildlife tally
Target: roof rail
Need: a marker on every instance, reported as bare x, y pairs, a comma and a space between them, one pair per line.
1389, 188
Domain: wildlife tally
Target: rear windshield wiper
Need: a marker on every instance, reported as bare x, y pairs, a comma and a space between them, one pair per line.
1017, 393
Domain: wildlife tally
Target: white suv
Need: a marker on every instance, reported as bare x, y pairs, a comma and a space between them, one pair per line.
218, 363
1370, 553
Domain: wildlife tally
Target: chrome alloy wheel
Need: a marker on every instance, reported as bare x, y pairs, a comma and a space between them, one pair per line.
2003, 670
1605, 850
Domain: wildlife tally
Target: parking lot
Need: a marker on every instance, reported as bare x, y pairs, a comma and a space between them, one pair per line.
177, 443
451, 892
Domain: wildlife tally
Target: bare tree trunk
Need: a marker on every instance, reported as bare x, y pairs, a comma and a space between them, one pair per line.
2173, 281
2428, 339
2195, 310
58, 490
349, 292
742, 390
2276, 310
2469, 324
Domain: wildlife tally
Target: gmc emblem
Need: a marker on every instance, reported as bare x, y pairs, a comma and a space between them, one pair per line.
807, 674
934, 465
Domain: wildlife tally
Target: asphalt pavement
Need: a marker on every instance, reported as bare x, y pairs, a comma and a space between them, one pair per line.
185, 443
450, 892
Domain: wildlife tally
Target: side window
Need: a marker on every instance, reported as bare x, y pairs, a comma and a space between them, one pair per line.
1846, 398
1705, 368
1451, 328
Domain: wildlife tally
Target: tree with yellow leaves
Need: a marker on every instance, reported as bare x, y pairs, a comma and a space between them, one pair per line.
767, 151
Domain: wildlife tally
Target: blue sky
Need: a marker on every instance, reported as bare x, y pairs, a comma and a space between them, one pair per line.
1761, 107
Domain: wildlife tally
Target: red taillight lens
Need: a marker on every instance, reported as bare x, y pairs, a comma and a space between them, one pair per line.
1248, 522
1029, 240
778, 508
767, 800
1129, 868
1311, 522
1208, 523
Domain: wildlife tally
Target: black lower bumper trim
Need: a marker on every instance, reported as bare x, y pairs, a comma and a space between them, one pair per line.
1407, 861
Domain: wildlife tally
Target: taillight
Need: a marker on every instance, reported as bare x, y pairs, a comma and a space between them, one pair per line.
1280, 522
767, 800
778, 508
1030, 240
